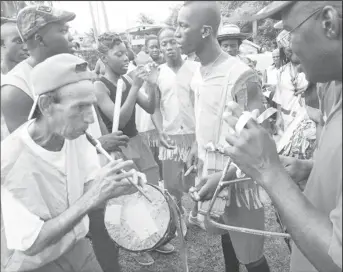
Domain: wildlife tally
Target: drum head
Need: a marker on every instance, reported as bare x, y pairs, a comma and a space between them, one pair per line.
134, 223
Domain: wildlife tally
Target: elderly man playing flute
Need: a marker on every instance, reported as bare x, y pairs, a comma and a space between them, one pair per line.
51, 177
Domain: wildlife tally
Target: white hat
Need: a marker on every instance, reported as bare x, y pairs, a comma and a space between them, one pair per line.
231, 31
56, 72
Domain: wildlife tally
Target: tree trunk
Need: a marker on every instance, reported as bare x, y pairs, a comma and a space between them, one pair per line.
105, 15
93, 22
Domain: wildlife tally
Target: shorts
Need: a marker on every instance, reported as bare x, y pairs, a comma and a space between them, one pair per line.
248, 247
174, 180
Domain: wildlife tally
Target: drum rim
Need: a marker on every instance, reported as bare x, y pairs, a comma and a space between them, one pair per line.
158, 244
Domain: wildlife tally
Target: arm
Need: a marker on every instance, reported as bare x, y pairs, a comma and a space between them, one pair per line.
54, 229
249, 95
15, 106
107, 106
311, 230
147, 102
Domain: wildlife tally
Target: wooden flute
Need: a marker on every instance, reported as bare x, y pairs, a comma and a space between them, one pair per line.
98, 146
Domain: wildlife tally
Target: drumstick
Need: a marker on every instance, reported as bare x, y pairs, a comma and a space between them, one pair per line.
98, 146
189, 170
117, 105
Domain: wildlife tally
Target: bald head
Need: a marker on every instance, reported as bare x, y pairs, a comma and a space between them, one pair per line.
205, 13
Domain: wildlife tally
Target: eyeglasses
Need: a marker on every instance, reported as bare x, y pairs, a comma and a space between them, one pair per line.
287, 36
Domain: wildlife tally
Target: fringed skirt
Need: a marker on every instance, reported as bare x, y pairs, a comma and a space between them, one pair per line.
183, 145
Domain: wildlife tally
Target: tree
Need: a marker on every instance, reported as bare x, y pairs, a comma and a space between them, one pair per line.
232, 10
10, 9
91, 36
172, 18
144, 19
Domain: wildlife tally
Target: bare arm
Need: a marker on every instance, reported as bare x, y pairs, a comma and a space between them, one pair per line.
54, 229
147, 101
15, 106
107, 106
106, 185
311, 230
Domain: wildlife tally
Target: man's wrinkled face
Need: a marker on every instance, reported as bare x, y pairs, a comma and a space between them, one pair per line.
57, 38
117, 59
12, 46
188, 33
309, 44
73, 114
230, 46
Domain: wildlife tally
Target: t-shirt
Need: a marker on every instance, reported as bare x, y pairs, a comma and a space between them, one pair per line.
130, 128
324, 186
38, 185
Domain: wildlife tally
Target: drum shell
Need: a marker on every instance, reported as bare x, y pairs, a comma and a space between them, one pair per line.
168, 235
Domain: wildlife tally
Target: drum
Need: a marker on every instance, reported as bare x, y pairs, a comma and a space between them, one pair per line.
137, 225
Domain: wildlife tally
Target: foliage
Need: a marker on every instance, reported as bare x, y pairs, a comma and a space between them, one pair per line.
91, 36
172, 18
235, 9
144, 19
10, 9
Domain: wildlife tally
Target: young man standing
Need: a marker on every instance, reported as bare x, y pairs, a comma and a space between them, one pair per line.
174, 117
221, 79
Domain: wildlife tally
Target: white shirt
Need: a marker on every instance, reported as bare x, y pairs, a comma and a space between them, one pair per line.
272, 76
28, 200
176, 100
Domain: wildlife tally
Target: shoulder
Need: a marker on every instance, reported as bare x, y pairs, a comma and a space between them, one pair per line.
12, 94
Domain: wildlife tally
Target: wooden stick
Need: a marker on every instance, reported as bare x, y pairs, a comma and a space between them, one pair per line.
98, 146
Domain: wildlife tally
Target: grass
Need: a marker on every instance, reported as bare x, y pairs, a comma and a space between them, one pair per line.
205, 253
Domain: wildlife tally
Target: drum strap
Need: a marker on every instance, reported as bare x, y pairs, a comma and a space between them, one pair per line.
177, 214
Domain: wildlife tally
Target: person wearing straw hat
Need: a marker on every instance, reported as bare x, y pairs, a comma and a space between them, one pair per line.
221, 78
45, 31
51, 177
230, 39
313, 218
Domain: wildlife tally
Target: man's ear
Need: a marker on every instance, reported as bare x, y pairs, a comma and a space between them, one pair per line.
206, 31
39, 39
45, 105
331, 23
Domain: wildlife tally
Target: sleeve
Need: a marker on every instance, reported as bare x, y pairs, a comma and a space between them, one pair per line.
335, 250
21, 226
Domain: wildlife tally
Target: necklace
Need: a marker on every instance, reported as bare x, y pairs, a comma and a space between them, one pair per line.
207, 70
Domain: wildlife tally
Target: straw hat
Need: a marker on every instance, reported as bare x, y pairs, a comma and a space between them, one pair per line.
231, 31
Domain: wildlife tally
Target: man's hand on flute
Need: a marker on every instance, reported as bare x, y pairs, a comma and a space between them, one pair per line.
110, 182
